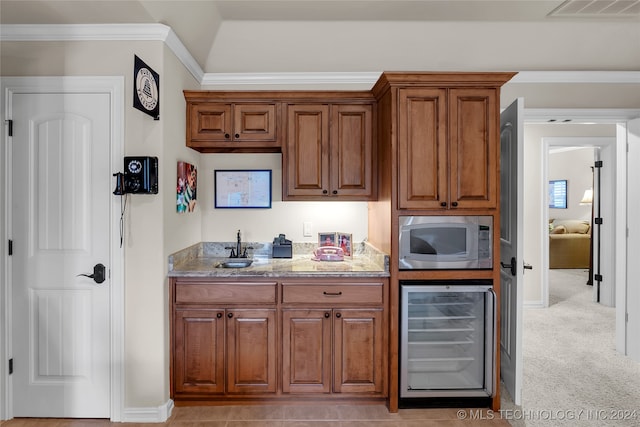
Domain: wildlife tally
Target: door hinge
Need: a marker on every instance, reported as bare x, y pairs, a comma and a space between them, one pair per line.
10, 247
598, 277
10, 366
9, 127
597, 221
598, 164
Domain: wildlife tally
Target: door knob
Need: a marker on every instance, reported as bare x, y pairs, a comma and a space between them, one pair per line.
98, 275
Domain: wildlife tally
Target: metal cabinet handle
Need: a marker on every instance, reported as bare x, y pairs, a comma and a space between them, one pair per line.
335, 191
338, 315
219, 315
332, 294
327, 315
226, 135
443, 204
237, 135
454, 204
325, 192
230, 315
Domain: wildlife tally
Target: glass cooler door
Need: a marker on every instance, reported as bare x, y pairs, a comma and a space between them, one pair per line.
447, 343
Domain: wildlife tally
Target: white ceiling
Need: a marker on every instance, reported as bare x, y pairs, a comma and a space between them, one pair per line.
197, 23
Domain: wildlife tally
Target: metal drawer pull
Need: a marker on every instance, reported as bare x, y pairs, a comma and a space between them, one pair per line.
332, 294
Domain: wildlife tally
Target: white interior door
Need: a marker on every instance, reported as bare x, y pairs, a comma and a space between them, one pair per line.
511, 247
60, 222
632, 308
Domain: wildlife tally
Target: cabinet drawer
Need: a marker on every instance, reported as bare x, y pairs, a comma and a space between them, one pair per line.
230, 293
366, 293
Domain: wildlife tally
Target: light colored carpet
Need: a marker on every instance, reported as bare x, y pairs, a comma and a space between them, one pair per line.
573, 376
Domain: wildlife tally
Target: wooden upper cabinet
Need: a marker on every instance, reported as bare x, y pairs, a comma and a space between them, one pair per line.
220, 126
422, 148
447, 148
473, 149
307, 151
329, 152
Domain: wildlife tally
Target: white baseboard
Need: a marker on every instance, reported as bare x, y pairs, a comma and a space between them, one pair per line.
533, 304
159, 414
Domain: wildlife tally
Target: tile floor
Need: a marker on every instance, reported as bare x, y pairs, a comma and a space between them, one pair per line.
295, 416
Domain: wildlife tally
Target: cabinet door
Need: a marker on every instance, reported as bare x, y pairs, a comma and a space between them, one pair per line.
307, 164
208, 122
251, 351
351, 164
228, 126
473, 151
422, 149
254, 122
306, 351
199, 351
358, 356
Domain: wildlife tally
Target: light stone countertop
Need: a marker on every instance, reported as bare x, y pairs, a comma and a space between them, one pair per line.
201, 259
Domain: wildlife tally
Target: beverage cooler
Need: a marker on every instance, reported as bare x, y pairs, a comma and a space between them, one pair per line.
447, 344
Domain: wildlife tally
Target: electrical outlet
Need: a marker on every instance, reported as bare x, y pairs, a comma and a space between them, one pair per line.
306, 229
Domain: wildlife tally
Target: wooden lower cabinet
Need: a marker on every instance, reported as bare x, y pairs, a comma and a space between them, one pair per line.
201, 360
198, 351
306, 351
322, 338
332, 350
251, 351
357, 351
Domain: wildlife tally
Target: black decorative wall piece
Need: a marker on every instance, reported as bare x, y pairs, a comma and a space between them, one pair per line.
146, 89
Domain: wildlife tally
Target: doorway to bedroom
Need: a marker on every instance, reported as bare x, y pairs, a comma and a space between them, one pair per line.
571, 178
580, 212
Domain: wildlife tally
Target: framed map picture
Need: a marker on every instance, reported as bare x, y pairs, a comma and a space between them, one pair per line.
235, 189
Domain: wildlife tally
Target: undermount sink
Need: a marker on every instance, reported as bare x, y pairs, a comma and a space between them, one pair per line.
235, 263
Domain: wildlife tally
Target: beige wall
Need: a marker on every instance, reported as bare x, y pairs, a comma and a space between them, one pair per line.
278, 46
152, 228
572, 95
263, 225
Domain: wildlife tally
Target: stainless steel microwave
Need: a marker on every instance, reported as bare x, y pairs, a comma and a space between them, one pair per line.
445, 242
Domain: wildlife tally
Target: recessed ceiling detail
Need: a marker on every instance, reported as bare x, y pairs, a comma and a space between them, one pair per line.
598, 8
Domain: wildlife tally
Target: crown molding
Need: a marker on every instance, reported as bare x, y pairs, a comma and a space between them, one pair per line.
104, 32
606, 77
370, 78
579, 115
164, 33
58, 32
330, 78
